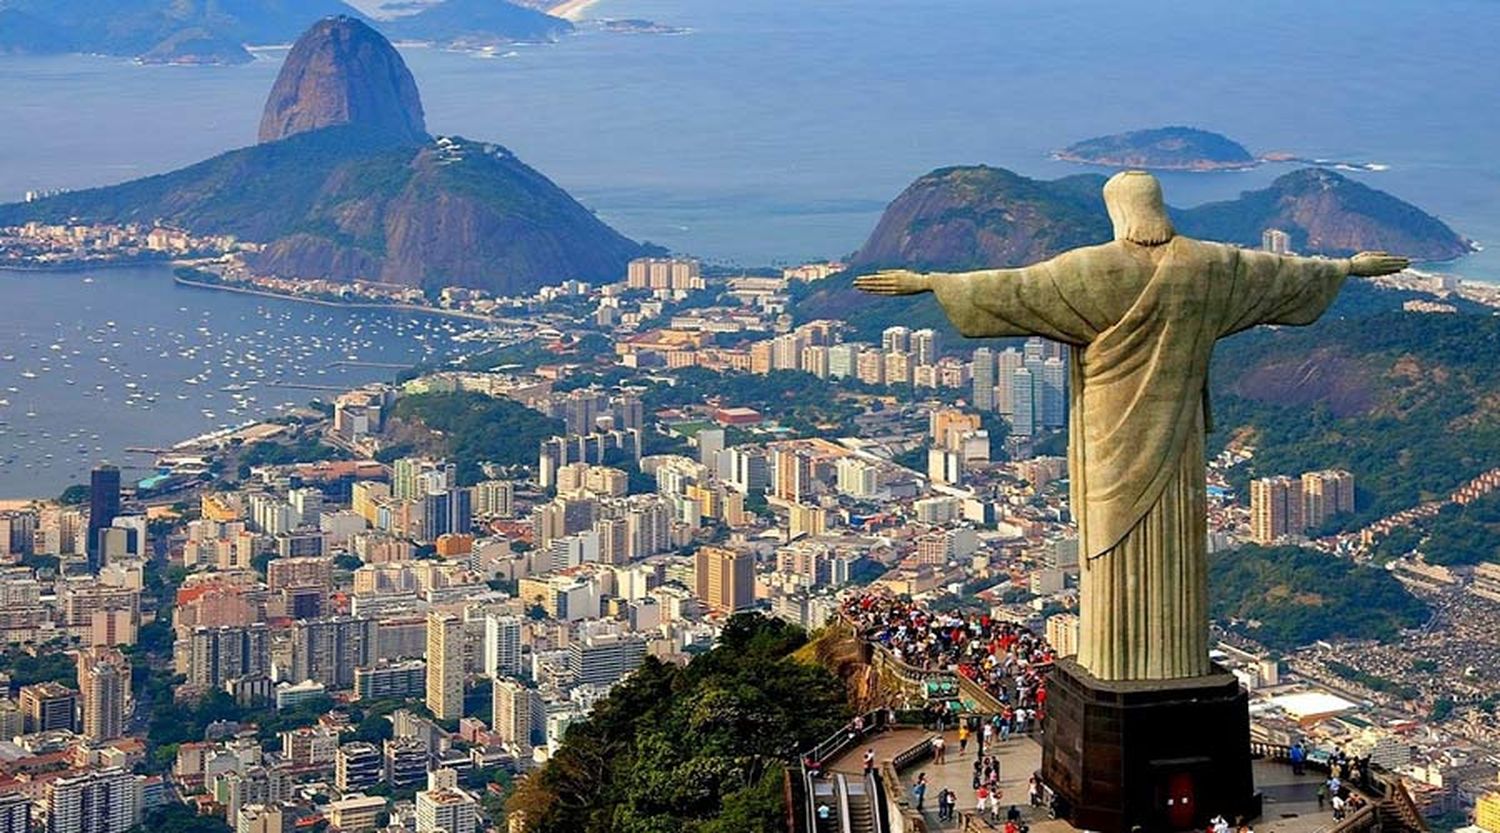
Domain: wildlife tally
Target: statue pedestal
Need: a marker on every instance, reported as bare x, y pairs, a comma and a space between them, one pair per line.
1158, 755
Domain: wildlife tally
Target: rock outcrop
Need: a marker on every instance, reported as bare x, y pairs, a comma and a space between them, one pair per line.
343, 72
973, 217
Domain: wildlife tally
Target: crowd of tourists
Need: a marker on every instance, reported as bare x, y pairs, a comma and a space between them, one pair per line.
1003, 657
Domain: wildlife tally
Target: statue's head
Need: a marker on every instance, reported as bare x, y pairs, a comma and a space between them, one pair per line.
1136, 208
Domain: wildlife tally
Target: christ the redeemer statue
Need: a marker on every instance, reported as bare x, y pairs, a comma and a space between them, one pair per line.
1141, 315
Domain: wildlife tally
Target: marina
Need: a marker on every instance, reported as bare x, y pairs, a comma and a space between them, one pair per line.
106, 366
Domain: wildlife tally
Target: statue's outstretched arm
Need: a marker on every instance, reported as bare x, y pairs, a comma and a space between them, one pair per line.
1033, 300
1290, 290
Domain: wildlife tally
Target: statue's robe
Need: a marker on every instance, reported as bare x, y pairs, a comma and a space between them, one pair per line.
1141, 322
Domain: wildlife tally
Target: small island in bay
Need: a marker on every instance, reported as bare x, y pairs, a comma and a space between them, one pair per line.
1185, 149
197, 47
1162, 149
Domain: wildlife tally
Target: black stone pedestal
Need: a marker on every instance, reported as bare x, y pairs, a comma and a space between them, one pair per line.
1156, 756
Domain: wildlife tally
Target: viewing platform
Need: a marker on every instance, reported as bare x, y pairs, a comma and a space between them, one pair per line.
882, 801
1290, 800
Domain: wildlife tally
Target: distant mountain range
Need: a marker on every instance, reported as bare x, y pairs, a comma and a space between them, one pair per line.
977, 217
216, 31
347, 184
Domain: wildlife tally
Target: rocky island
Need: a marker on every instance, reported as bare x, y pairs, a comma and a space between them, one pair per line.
346, 184
197, 47
1162, 149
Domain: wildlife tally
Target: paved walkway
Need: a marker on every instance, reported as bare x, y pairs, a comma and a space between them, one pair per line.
1291, 804
1019, 757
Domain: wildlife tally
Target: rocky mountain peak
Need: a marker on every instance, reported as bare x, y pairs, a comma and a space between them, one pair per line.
341, 72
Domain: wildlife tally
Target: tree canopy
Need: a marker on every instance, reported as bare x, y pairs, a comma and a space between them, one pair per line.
697, 749
1287, 597
474, 428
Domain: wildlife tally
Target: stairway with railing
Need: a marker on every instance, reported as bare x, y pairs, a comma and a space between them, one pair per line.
836, 802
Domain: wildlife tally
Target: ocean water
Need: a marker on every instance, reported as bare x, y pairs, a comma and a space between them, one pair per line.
94, 363
775, 131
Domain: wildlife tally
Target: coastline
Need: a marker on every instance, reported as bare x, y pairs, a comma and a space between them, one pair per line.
450, 313
86, 267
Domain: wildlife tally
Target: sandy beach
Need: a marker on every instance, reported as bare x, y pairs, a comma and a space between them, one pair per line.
571, 9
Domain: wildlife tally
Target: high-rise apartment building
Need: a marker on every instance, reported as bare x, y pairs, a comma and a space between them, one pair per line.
1062, 633
445, 665
99, 801
1275, 508
213, 655
328, 650
502, 645
1326, 494
925, 347
792, 475
1054, 393
1024, 420
494, 497
983, 376
603, 659
104, 692
895, 339
725, 578
515, 713
1007, 362
15, 813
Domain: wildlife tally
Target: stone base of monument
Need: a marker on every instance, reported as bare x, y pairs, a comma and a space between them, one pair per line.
1152, 756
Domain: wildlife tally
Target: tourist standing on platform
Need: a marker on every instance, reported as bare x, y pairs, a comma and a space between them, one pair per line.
938, 750
919, 792
1298, 757
963, 737
869, 760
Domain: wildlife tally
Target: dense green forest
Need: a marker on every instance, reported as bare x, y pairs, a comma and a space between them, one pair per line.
1287, 597
474, 428
1410, 403
697, 749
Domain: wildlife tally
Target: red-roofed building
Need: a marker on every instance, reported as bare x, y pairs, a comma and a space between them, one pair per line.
737, 416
